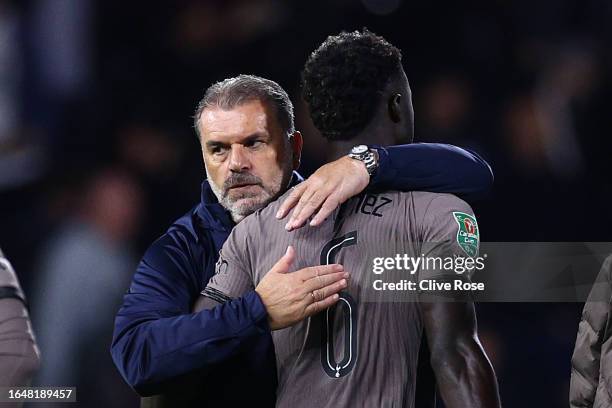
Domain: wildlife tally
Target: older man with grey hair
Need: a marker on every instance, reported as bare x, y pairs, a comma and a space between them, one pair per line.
223, 97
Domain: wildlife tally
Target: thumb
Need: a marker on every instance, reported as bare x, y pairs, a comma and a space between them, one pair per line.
284, 263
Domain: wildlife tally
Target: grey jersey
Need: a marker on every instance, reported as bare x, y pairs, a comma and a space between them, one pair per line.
9, 284
19, 357
364, 350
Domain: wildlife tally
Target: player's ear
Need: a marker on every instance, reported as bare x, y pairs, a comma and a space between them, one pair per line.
295, 143
394, 107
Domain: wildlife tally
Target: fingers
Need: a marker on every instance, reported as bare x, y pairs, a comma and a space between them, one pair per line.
325, 211
327, 291
325, 285
326, 189
291, 200
310, 200
284, 263
316, 307
319, 270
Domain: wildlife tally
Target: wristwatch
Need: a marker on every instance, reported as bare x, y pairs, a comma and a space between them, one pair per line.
368, 156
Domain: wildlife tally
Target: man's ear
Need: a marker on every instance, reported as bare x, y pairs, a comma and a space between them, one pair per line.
296, 142
394, 107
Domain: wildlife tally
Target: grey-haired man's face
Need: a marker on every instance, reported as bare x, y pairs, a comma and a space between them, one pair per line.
247, 156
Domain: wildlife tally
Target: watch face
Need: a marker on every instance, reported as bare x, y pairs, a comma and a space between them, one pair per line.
359, 149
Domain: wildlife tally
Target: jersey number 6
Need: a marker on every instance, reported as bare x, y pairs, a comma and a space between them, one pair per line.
347, 306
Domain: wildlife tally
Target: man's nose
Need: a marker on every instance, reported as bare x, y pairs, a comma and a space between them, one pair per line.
239, 160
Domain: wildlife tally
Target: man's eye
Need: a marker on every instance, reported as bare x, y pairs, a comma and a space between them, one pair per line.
254, 143
218, 151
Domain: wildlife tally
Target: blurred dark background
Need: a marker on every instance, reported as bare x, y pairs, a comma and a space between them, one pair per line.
98, 157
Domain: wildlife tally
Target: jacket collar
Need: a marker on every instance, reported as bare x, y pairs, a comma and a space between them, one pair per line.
214, 216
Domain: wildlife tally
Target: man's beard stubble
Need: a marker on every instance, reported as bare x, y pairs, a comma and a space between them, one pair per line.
242, 204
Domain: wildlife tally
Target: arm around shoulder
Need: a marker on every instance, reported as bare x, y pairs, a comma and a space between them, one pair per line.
434, 167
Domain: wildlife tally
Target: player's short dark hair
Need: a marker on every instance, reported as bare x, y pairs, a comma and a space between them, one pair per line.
231, 92
344, 78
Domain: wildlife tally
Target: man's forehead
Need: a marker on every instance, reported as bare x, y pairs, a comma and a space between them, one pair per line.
242, 120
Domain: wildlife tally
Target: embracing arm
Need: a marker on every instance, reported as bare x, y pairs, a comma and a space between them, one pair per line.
433, 167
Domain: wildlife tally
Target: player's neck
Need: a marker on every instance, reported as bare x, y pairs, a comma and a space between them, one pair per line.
376, 133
